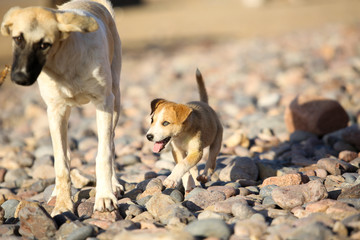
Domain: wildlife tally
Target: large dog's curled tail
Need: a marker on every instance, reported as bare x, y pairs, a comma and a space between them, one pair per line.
201, 86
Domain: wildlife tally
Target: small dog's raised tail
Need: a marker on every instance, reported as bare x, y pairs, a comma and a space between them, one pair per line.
201, 86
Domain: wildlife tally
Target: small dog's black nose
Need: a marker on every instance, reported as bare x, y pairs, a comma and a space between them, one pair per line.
21, 78
150, 137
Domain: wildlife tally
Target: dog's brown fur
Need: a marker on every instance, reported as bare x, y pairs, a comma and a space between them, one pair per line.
189, 128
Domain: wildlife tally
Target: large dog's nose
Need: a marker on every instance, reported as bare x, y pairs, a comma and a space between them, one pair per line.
150, 137
21, 78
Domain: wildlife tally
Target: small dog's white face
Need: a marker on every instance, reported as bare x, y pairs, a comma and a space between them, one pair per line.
167, 121
34, 31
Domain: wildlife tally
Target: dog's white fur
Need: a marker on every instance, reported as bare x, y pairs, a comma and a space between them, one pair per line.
80, 68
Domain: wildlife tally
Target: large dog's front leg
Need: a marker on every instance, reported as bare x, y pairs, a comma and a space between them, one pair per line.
105, 199
58, 119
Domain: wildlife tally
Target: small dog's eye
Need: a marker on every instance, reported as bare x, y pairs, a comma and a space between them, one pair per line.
44, 46
19, 39
152, 120
165, 123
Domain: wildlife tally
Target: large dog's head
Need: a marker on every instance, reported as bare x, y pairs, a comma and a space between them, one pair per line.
35, 31
168, 120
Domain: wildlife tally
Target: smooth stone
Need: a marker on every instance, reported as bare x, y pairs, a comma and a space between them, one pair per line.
10, 207
209, 228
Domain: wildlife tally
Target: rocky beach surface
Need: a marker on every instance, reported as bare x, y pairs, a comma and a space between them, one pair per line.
288, 167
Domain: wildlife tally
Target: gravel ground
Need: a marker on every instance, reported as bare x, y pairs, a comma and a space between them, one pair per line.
268, 184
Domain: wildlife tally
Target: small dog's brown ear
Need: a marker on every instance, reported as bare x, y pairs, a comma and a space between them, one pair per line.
182, 112
155, 103
6, 25
72, 22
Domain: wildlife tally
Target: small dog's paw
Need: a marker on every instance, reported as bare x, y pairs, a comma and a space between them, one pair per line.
105, 203
169, 183
203, 179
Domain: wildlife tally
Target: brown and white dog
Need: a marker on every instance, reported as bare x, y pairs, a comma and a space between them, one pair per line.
75, 54
189, 128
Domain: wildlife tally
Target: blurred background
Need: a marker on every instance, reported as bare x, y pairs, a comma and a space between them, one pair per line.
255, 55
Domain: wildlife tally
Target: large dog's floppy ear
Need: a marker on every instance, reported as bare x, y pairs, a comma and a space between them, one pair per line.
155, 103
72, 22
182, 112
6, 25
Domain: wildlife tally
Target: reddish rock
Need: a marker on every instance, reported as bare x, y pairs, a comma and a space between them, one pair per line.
85, 209
335, 166
285, 180
315, 114
112, 216
289, 197
35, 222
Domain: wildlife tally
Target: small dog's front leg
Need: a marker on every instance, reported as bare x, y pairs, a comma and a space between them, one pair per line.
181, 168
58, 117
105, 199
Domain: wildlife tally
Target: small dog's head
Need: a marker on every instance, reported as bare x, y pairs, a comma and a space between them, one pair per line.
35, 32
168, 120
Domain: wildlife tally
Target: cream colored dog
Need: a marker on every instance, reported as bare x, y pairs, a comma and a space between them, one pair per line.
75, 53
189, 129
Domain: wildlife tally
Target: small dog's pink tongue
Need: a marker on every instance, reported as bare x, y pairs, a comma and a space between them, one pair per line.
158, 146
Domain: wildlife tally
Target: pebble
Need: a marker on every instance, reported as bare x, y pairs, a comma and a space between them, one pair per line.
9, 207
209, 228
239, 168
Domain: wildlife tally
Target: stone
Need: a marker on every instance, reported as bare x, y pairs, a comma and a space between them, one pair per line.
266, 191
292, 196
226, 205
112, 216
352, 192
2, 215
239, 168
153, 234
285, 180
347, 156
153, 186
175, 194
16, 175
35, 222
335, 166
321, 173
206, 214
239, 138
315, 114
81, 233
209, 228
164, 208
9, 207
249, 229
129, 159
85, 209
116, 228
228, 191
202, 199
80, 180
313, 231
242, 211
335, 209
43, 172
67, 228
7, 230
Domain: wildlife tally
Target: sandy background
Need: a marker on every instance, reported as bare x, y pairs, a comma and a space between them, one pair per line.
164, 23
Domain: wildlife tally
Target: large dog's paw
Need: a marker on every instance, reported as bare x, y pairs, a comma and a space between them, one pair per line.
170, 183
117, 187
105, 202
62, 206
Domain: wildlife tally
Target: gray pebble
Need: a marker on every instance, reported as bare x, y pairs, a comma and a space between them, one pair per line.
10, 206
209, 228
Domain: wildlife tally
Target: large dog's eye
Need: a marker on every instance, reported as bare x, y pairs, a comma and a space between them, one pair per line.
45, 45
165, 123
152, 120
19, 39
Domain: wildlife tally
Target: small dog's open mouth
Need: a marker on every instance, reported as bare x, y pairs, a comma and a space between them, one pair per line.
160, 145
